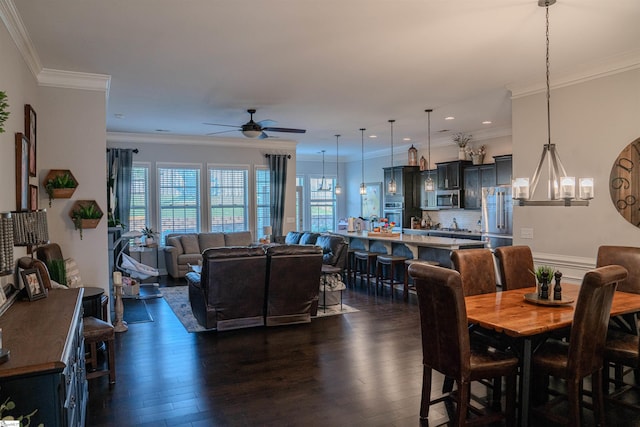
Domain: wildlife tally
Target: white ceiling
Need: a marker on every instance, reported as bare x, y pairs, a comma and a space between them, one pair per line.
330, 66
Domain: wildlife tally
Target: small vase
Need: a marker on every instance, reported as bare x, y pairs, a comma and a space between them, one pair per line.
477, 159
462, 155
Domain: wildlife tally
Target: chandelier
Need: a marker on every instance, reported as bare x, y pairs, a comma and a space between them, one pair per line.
391, 186
429, 185
324, 186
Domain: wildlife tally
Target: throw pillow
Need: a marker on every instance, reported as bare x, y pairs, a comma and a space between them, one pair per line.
190, 244
72, 273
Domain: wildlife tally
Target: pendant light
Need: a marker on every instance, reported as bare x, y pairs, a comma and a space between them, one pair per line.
429, 185
323, 183
561, 191
363, 187
391, 186
338, 189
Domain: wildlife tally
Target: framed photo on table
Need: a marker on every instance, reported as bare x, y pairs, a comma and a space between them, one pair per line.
372, 201
22, 172
30, 130
33, 284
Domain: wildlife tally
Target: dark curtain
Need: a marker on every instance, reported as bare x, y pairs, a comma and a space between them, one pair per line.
278, 181
119, 164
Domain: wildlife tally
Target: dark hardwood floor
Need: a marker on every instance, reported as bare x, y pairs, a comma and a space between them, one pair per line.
356, 369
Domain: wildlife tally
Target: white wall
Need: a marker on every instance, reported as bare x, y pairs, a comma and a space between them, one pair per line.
591, 122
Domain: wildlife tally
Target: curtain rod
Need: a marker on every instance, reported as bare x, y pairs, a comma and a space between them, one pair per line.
269, 155
135, 150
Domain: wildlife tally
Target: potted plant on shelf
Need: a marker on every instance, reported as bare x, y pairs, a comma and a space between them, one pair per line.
462, 139
149, 236
60, 184
477, 155
85, 214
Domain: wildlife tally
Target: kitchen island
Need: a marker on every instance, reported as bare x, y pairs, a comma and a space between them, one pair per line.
410, 245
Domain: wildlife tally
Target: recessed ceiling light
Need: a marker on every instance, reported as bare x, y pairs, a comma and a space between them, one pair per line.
373, 136
406, 139
486, 122
119, 116
449, 118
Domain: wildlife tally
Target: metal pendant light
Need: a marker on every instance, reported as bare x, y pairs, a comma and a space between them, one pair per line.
338, 189
561, 191
323, 183
429, 185
363, 187
391, 186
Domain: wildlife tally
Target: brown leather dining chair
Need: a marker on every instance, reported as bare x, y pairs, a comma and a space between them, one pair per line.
516, 267
447, 349
583, 354
477, 270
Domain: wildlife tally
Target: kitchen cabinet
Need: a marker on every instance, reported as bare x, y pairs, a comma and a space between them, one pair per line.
427, 198
450, 174
476, 177
503, 169
407, 193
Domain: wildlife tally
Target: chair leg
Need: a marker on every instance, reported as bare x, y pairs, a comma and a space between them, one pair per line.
510, 401
598, 400
447, 385
426, 393
574, 397
464, 394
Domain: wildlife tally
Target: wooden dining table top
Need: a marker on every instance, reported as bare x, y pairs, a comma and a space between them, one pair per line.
508, 312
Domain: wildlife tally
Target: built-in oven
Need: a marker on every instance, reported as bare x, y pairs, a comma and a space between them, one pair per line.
448, 199
394, 212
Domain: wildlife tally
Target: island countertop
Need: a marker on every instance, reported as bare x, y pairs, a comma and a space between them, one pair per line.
415, 240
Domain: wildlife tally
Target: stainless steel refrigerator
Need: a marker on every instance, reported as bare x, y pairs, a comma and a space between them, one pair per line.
497, 216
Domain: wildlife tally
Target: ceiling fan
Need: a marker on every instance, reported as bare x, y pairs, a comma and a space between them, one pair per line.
253, 129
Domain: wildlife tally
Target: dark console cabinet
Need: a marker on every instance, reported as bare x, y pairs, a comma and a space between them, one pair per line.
45, 371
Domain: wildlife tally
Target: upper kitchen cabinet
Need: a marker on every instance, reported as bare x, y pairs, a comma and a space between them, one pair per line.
406, 191
450, 174
476, 177
503, 169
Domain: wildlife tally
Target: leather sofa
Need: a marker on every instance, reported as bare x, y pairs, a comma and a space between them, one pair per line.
182, 249
243, 287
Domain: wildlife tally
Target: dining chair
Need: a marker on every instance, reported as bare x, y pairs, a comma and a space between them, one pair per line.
446, 347
477, 270
583, 354
516, 267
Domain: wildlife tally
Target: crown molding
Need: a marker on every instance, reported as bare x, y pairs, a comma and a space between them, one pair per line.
607, 67
74, 80
18, 32
133, 138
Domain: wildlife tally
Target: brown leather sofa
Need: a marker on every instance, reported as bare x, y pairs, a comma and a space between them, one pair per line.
251, 286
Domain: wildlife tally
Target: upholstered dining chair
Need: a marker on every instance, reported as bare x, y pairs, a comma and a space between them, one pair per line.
477, 270
447, 349
583, 354
516, 267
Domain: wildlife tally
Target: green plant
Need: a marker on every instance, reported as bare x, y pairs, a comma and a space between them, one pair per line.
64, 180
148, 232
57, 271
542, 269
462, 139
85, 211
4, 110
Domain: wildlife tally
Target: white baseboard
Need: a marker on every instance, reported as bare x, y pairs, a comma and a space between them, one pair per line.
572, 268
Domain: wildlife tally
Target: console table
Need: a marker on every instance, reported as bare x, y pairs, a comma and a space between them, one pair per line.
45, 370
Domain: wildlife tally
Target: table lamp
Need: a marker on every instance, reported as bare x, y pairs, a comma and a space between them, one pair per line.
267, 230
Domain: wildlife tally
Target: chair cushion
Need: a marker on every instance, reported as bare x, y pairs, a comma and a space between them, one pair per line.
190, 243
210, 240
309, 238
240, 238
622, 348
293, 238
73, 273
97, 330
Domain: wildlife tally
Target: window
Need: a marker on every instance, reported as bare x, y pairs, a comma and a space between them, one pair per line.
229, 201
323, 206
263, 199
139, 211
179, 189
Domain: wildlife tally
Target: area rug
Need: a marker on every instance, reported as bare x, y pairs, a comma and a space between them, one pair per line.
136, 311
178, 299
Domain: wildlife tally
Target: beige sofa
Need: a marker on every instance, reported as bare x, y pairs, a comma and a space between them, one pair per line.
182, 249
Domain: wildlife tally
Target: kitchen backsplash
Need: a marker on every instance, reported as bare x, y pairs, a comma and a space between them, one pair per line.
466, 219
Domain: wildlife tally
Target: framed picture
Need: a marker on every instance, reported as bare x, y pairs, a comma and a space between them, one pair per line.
33, 284
372, 201
33, 197
22, 172
30, 132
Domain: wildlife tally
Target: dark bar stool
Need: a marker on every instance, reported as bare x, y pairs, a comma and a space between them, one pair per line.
351, 267
387, 264
96, 331
407, 263
364, 262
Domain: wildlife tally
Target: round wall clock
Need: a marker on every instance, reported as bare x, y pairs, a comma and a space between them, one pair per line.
624, 183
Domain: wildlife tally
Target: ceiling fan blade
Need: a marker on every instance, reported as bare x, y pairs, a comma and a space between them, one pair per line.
263, 136
267, 123
224, 131
218, 124
289, 130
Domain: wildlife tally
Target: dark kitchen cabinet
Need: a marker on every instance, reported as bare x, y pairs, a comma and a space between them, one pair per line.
476, 177
407, 191
503, 169
450, 174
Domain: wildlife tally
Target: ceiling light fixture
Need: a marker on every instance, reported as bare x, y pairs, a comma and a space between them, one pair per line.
323, 183
562, 188
429, 185
391, 186
338, 189
363, 186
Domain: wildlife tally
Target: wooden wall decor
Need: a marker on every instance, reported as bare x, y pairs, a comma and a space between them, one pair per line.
624, 183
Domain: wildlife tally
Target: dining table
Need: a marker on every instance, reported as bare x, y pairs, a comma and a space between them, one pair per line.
521, 316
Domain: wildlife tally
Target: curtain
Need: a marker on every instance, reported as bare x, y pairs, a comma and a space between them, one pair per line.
119, 165
278, 181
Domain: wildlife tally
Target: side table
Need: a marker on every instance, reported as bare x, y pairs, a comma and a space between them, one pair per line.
92, 302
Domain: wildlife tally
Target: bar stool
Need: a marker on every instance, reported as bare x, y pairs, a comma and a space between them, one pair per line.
407, 263
351, 264
96, 331
388, 264
364, 261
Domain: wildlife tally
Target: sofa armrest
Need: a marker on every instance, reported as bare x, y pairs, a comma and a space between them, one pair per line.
171, 260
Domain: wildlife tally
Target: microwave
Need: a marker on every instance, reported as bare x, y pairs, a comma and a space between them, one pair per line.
448, 199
